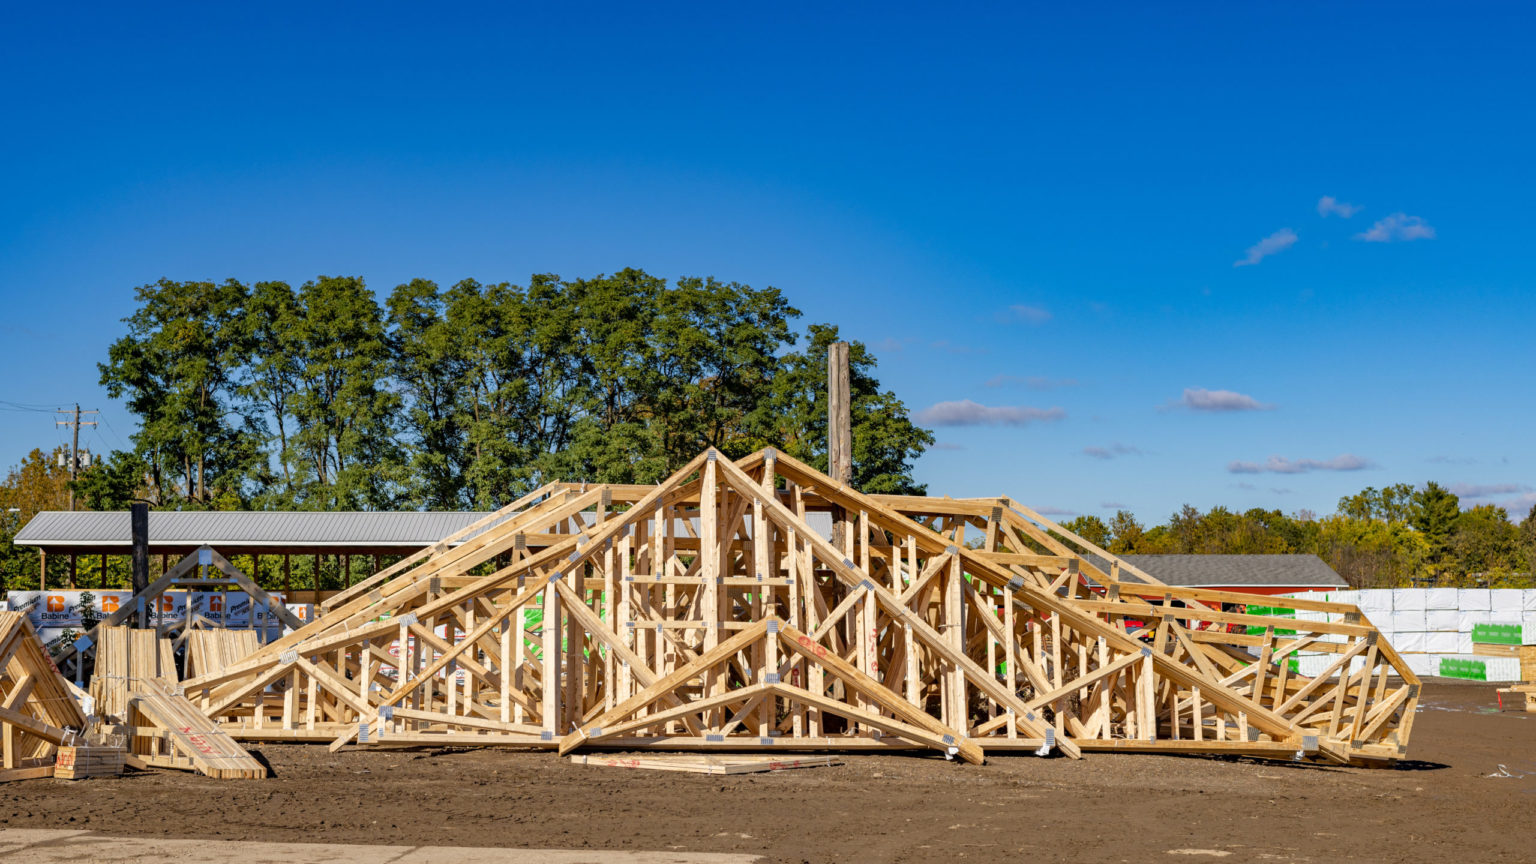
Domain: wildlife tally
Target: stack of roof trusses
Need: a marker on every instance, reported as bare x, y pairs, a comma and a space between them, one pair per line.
759, 605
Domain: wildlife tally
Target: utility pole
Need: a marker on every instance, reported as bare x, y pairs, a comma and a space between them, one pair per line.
839, 421
74, 450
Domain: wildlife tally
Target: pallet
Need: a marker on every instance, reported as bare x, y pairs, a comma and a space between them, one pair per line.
700, 763
174, 727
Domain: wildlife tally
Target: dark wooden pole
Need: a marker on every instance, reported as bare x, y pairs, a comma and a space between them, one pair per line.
139, 520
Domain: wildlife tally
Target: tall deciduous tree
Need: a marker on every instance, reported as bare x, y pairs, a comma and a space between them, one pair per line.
343, 409
177, 369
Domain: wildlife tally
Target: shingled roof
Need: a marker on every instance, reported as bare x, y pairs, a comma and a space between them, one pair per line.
1249, 571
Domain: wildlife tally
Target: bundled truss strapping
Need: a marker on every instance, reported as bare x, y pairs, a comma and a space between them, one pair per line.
718, 610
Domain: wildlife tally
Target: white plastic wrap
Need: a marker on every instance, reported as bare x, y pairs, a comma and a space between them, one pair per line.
1441, 598
1408, 600
1474, 599
1442, 643
1409, 621
1507, 603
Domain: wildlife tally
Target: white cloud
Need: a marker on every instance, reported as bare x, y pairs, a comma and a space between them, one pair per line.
967, 413
1397, 227
1114, 505
1030, 314
1201, 399
1281, 465
1279, 241
1054, 511
1486, 490
1518, 507
1113, 450
1328, 205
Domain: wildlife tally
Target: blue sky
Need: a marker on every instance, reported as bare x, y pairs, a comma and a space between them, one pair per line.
1090, 240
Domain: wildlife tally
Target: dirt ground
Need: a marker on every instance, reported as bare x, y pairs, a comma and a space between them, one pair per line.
1468, 795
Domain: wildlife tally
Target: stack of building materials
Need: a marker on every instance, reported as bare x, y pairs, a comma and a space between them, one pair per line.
37, 709
1470, 633
760, 605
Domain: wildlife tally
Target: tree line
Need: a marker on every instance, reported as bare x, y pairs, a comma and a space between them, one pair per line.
320, 397
1392, 537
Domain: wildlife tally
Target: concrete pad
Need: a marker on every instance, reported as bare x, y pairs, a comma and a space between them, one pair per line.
35, 846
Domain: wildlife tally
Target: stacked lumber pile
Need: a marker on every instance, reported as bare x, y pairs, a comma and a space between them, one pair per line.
707, 763
210, 650
169, 732
760, 605
85, 756
37, 709
124, 656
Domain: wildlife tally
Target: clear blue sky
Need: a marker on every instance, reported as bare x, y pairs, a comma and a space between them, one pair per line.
1036, 213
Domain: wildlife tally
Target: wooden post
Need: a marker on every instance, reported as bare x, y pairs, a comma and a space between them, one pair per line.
288, 577
138, 518
101, 578
839, 421
42, 570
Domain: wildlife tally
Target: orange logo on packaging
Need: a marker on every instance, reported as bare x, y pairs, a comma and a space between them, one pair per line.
215, 604
167, 604
109, 603
55, 602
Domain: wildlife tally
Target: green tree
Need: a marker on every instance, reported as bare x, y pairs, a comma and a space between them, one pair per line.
271, 325
177, 370
1090, 528
1485, 541
1125, 533
344, 412
1433, 514
885, 440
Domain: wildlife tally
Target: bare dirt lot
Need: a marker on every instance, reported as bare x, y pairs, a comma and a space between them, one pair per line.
1469, 795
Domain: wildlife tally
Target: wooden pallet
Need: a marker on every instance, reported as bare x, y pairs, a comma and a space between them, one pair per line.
170, 732
37, 709
706, 763
715, 611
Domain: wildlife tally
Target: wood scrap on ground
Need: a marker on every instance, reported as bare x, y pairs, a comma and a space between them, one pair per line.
707, 763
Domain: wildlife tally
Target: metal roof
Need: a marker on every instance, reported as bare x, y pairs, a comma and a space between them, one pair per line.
53, 528
89, 532
1253, 571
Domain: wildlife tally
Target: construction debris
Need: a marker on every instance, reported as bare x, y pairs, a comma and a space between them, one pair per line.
705, 763
760, 605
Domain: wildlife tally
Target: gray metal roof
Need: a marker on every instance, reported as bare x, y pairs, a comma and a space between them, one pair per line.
108, 532
53, 528
1251, 571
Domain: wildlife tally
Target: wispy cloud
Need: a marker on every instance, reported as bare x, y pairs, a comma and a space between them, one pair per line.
1329, 205
1279, 241
1054, 511
1033, 382
1113, 450
1201, 399
968, 413
1281, 465
1397, 227
1114, 505
1486, 490
1030, 314
947, 445
893, 345
1518, 507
